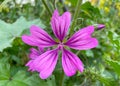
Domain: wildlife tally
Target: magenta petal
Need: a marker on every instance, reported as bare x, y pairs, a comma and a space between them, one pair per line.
41, 49
38, 37
84, 44
29, 40
60, 24
71, 63
55, 14
30, 65
49, 68
34, 53
82, 39
46, 63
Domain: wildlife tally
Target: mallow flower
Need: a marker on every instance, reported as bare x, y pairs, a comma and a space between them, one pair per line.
45, 63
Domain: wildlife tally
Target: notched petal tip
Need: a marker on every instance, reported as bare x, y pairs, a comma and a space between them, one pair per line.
28, 40
90, 28
24, 38
55, 14
34, 28
71, 63
60, 24
81, 69
82, 39
30, 65
43, 76
38, 37
67, 14
34, 53
95, 42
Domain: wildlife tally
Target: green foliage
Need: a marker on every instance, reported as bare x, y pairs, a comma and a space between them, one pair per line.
102, 64
3, 5
115, 65
4, 71
74, 2
21, 78
106, 80
8, 32
89, 11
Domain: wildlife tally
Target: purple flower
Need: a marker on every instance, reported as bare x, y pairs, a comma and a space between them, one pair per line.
46, 62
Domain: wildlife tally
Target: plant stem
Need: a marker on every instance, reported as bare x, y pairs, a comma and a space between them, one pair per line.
77, 52
54, 4
46, 6
75, 16
62, 79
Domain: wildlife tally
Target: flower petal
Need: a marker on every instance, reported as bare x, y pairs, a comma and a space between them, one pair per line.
38, 37
45, 63
71, 63
55, 14
60, 24
82, 39
29, 40
41, 49
30, 64
34, 53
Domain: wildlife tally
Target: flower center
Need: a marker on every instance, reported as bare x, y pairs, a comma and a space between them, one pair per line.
60, 45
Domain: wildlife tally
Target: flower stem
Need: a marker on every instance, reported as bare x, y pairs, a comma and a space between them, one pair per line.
46, 6
62, 79
77, 52
54, 4
75, 16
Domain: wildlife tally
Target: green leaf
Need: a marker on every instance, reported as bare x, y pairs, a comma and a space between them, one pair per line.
16, 83
8, 32
89, 53
4, 71
104, 79
21, 78
3, 82
89, 11
115, 65
110, 35
37, 81
18, 79
73, 2
107, 81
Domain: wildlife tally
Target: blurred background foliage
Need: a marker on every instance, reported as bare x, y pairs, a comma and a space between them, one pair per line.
102, 64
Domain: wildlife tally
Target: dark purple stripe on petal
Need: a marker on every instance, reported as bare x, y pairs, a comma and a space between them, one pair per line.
49, 67
60, 24
38, 37
82, 39
85, 46
82, 34
45, 63
71, 63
